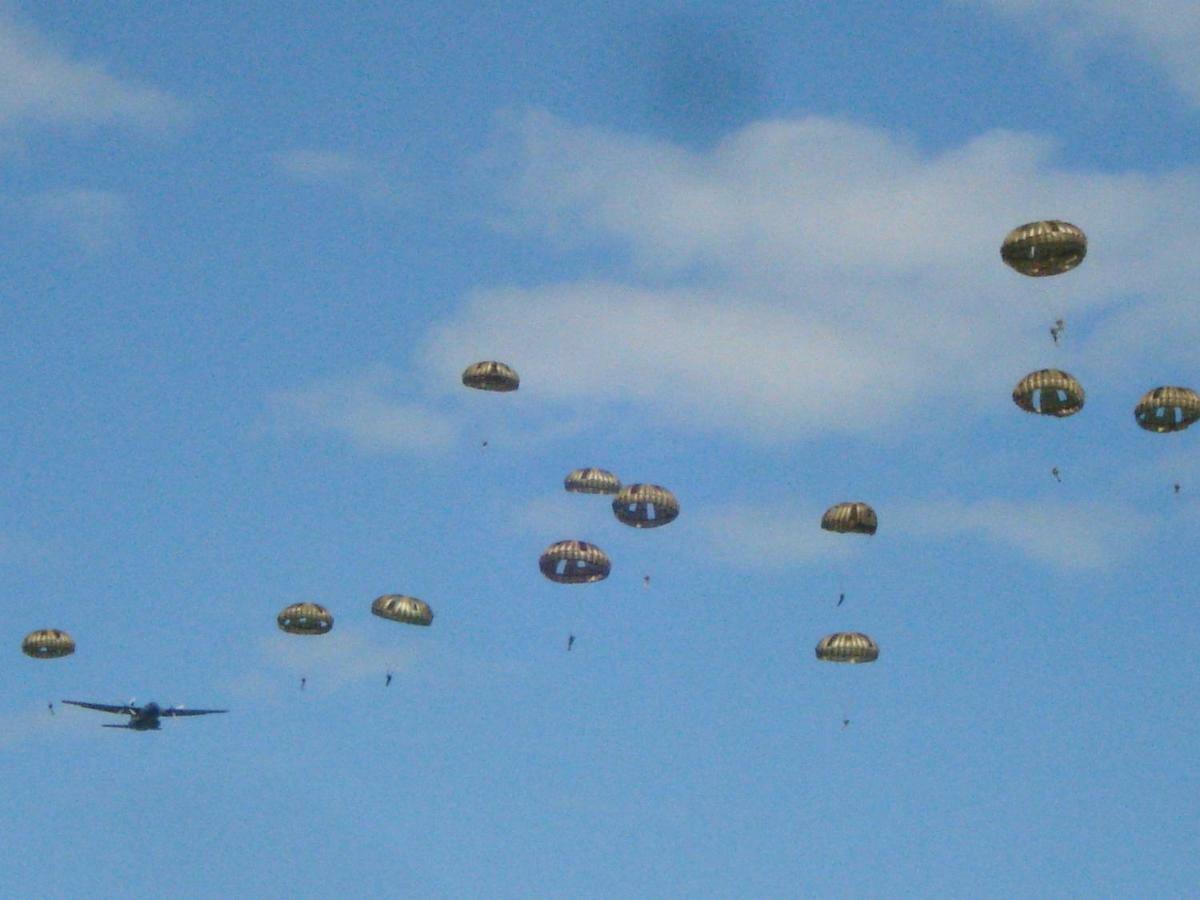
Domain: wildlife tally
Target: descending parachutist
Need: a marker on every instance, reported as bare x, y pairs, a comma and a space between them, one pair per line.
646, 580
841, 599
388, 681
50, 706
303, 682
845, 722
1177, 487
484, 444
1056, 474
1056, 329
570, 641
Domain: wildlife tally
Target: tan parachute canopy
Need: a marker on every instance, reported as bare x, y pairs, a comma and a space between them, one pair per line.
850, 518
1168, 409
402, 608
574, 562
491, 376
592, 481
47, 643
305, 618
645, 505
1044, 248
1049, 392
847, 647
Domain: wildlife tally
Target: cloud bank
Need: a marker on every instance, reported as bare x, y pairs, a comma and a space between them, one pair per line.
41, 84
799, 280
1164, 33
815, 276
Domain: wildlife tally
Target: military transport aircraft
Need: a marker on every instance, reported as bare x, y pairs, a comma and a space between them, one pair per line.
143, 718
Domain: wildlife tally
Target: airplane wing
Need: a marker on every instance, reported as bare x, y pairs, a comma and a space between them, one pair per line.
178, 711
123, 709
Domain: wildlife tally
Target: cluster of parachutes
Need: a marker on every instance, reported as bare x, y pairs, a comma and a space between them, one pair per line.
853, 517
1036, 249
635, 505
1040, 249
312, 618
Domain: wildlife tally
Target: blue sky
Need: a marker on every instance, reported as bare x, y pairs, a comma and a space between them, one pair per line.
747, 253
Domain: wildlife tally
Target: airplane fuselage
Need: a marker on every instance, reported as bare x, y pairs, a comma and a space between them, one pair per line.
143, 718
146, 718
144, 723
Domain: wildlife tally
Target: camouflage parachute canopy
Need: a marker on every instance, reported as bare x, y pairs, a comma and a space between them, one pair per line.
1168, 409
1049, 392
305, 618
47, 643
592, 481
1044, 248
402, 608
847, 647
850, 518
491, 376
574, 562
645, 505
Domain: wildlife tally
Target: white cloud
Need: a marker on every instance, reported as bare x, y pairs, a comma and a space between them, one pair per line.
1074, 536
344, 171
800, 279
94, 220
39, 83
385, 410
692, 358
843, 208
1165, 32
364, 410
815, 276
764, 537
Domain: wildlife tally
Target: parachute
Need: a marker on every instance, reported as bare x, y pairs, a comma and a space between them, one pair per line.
48, 643
645, 505
1049, 392
402, 608
305, 618
847, 647
1167, 409
575, 562
850, 518
491, 376
1044, 248
592, 481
